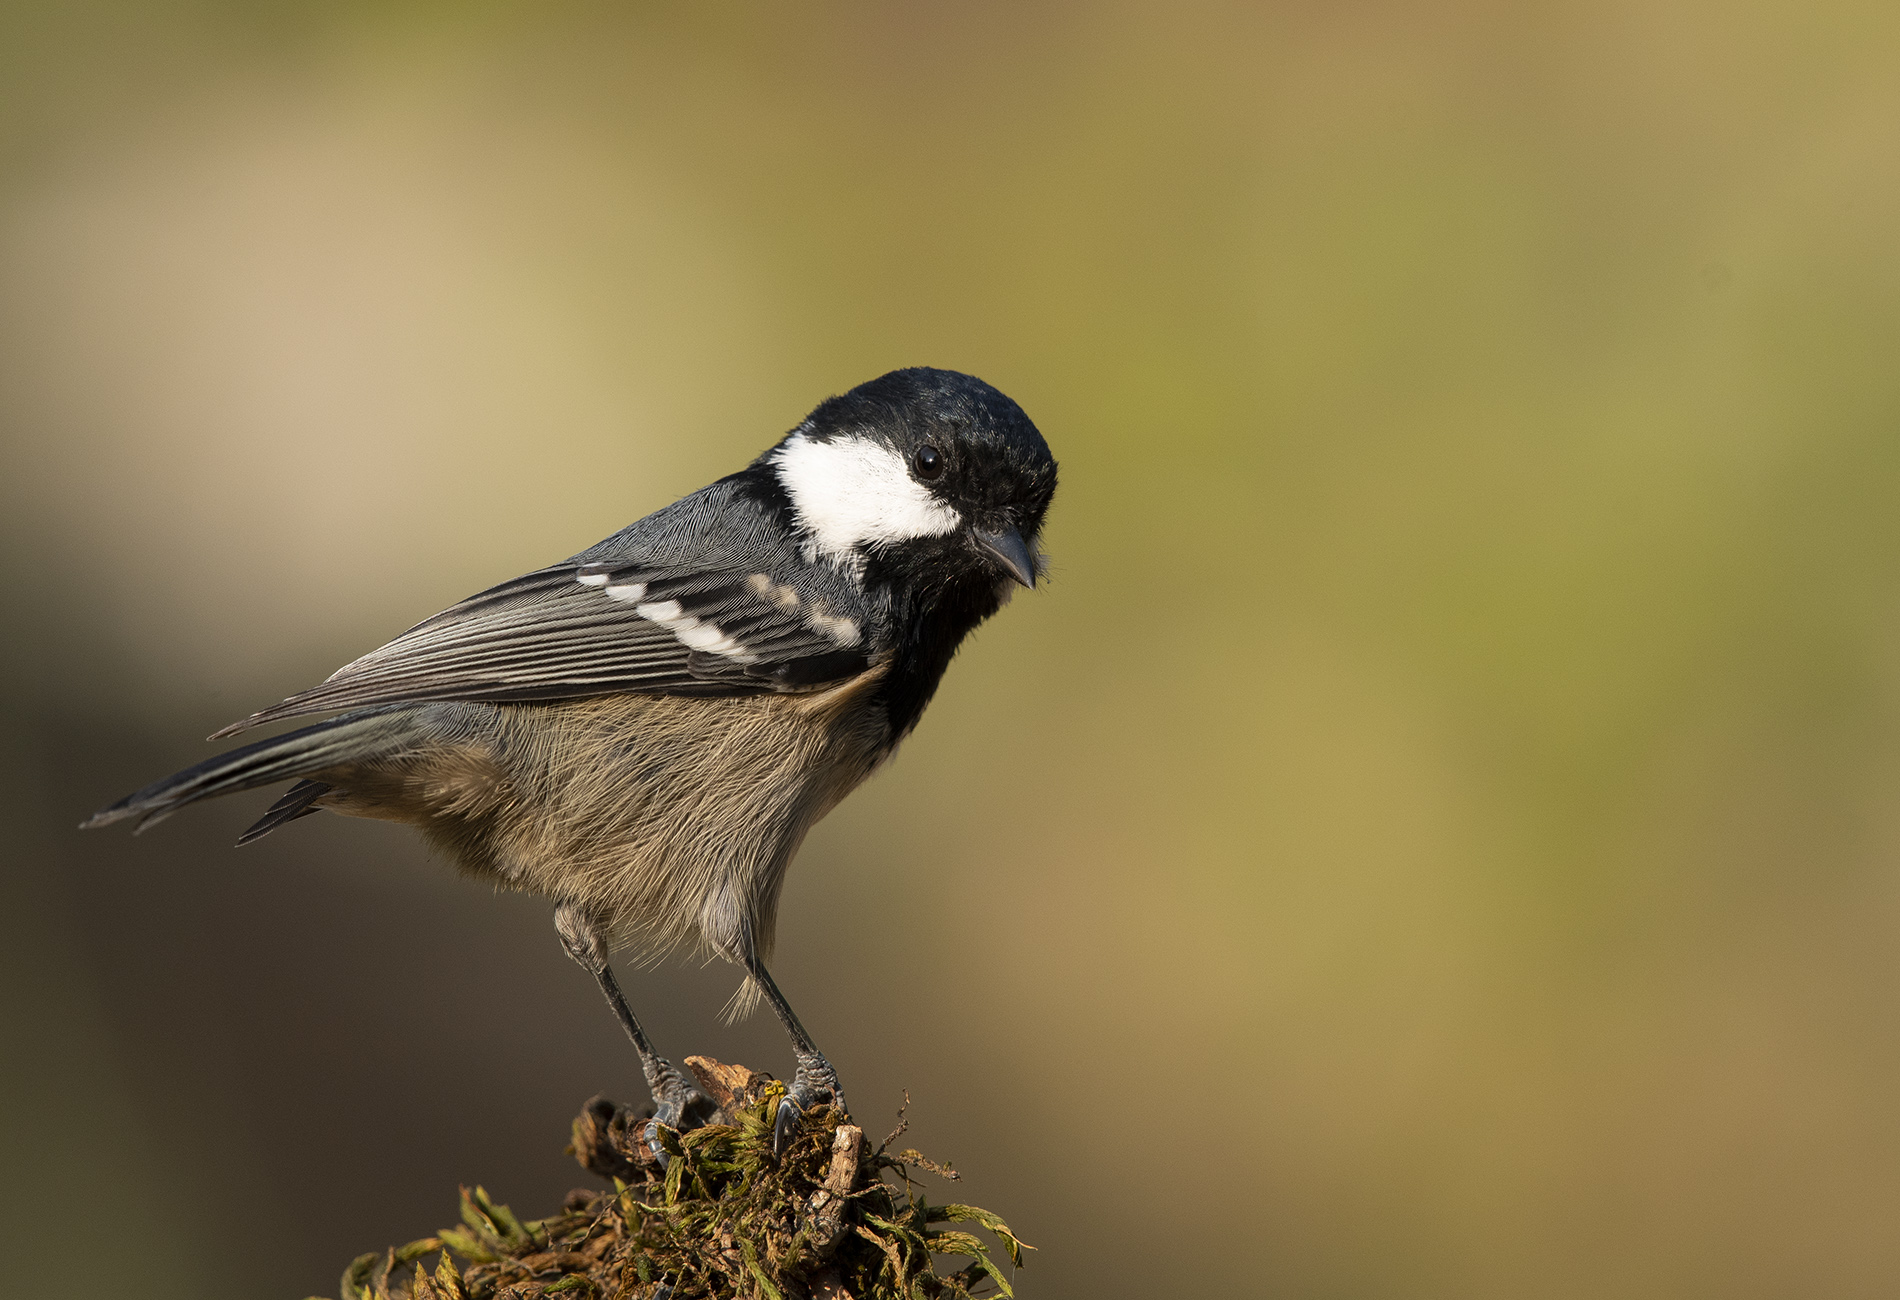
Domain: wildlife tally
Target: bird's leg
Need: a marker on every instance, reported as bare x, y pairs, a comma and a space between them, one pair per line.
676, 1102
815, 1081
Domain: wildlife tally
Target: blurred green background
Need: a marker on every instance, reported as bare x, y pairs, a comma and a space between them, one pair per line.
1437, 834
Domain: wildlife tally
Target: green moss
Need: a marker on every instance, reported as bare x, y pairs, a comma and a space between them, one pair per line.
723, 1219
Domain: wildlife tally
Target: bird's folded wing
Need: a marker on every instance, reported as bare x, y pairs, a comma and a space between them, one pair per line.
574, 630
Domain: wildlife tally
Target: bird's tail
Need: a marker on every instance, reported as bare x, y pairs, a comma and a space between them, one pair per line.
338, 742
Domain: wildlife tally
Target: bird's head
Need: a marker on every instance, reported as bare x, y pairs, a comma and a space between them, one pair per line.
928, 471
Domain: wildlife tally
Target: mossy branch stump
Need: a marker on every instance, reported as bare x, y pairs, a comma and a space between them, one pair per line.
723, 1217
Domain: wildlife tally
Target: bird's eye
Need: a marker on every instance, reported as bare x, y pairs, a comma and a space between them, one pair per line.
928, 462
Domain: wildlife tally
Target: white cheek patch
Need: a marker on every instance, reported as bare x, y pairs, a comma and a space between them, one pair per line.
851, 492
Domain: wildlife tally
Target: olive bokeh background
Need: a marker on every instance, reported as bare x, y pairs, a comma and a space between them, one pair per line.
1437, 835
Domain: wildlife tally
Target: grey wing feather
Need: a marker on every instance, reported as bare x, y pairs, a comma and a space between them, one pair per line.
748, 621
298, 801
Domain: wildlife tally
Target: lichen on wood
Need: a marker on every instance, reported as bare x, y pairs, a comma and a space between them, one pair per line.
833, 1219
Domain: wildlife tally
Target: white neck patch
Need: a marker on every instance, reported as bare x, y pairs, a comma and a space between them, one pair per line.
852, 492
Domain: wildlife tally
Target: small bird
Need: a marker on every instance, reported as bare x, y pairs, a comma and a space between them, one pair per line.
644, 733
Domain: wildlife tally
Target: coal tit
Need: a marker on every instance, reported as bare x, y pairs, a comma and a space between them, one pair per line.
645, 732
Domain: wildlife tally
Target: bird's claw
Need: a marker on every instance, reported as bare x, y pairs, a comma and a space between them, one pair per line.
679, 1106
816, 1082
654, 1147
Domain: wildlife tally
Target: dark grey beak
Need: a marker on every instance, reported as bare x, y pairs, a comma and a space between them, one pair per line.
1008, 549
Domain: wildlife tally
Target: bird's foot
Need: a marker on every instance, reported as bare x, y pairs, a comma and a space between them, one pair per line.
676, 1103
815, 1083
